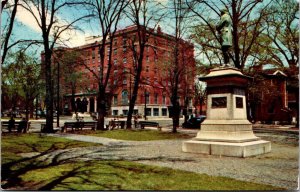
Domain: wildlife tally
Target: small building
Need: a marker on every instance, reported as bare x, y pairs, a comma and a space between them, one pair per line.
269, 99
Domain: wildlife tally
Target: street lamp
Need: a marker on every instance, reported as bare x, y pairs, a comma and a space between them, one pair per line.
145, 111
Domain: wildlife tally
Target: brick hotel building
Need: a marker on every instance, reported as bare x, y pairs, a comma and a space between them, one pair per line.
154, 91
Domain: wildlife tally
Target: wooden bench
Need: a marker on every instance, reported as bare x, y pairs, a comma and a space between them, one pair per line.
116, 124
79, 125
17, 123
143, 124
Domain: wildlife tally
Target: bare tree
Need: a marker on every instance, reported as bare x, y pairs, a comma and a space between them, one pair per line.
281, 34
8, 28
45, 14
141, 15
178, 66
108, 14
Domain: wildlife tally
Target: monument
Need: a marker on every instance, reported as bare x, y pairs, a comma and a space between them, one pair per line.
226, 130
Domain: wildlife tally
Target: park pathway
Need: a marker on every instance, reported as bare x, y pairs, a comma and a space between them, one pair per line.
278, 168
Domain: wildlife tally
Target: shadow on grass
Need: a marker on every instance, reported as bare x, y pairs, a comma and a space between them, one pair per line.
16, 166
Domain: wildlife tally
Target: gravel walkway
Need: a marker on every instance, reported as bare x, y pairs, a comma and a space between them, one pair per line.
278, 168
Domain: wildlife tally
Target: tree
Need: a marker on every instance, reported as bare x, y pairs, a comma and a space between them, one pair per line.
22, 79
281, 34
281, 42
8, 28
200, 87
70, 80
140, 14
178, 66
45, 13
247, 26
108, 15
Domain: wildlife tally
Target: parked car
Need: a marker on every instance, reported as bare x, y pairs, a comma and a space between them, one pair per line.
194, 122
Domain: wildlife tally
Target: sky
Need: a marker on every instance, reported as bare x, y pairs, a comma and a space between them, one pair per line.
26, 26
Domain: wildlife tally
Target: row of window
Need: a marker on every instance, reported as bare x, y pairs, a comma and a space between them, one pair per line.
149, 112
146, 97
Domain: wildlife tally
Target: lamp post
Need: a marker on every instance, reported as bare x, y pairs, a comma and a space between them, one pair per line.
58, 111
145, 111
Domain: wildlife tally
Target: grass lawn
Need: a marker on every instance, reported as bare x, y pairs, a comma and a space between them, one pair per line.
135, 135
13, 144
33, 173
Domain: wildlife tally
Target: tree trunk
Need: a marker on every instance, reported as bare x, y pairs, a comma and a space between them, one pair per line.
49, 92
101, 109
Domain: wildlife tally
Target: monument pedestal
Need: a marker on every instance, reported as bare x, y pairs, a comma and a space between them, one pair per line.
226, 130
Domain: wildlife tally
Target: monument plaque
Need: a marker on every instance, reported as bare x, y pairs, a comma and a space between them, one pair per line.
239, 102
218, 102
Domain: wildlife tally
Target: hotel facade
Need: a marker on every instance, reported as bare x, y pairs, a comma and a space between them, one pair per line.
155, 86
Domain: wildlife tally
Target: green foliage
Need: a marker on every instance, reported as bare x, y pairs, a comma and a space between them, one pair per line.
136, 135
21, 78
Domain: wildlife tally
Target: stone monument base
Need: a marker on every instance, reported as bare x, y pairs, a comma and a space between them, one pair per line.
245, 149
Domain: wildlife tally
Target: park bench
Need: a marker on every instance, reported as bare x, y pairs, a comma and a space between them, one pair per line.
116, 124
143, 124
17, 123
79, 125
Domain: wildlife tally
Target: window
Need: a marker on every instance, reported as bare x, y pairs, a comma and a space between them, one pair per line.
125, 60
108, 50
115, 72
148, 111
124, 49
93, 53
147, 95
115, 61
124, 40
164, 99
190, 102
148, 80
164, 112
124, 81
115, 51
115, 112
125, 112
115, 41
115, 82
155, 112
147, 59
124, 97
147, 68
148, 48
155, 98
115, 100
